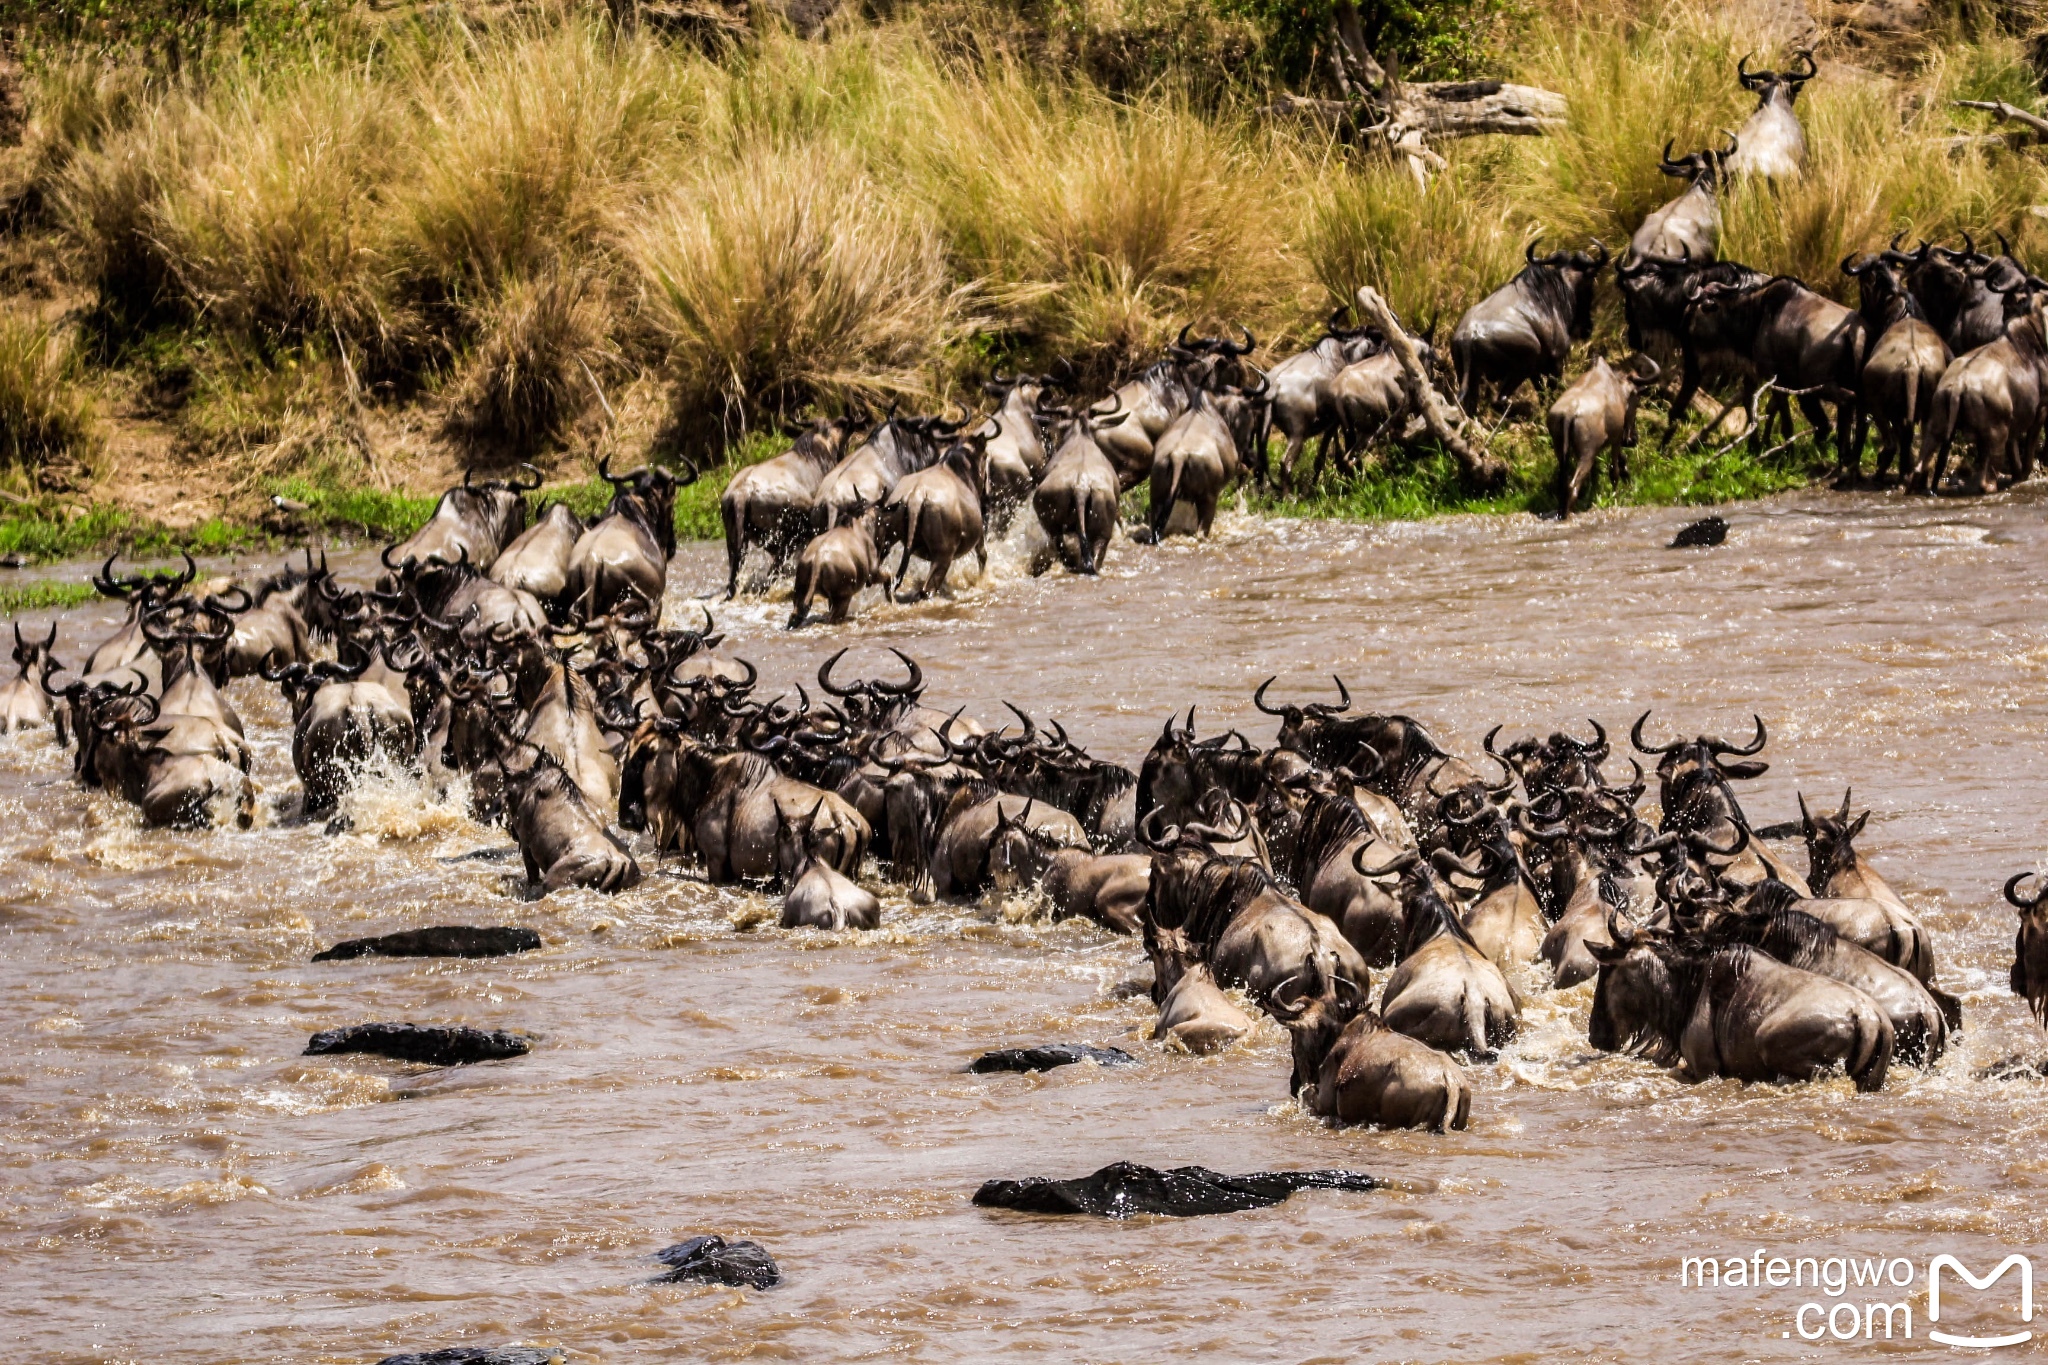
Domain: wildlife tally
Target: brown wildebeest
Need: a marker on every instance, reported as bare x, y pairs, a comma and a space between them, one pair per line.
339, 722
1992, 398
2030, 947
562, 841
23, 704
1771, 143
1151, 402
988, 836
1076, 501
1304, 394
193, 754
1445, 991
1016, 450
1198, 1015
768, 505
625, 554
1833, 867
474, 521
836, 566
820, 895
936, 515
538, 562
1904, 368
1350, 1066
1196, 458
1108, 888
866, 477
1598, 412
1781, 331
1733, 1012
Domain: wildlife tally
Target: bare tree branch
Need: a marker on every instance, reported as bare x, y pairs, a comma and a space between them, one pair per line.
1480, 467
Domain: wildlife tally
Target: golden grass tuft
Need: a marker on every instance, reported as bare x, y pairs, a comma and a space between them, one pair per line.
45, 411
544, 341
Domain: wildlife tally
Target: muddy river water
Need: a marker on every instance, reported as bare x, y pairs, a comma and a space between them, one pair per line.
178, 1184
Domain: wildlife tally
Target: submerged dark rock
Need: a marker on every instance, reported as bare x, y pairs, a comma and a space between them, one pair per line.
1047, 1057
1125, 1189
1707, 531
713, 1260
441, 940
439, 1044
2015, 1069
479, 1355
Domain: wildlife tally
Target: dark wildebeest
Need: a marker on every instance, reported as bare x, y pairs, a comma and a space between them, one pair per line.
1304, 396
22, 701
562, 841
339, 721
1833, 867
1733, 1012
1787, 334
126, 648
1076, 501
836, 566
936, 514
1967, 296
1992, 398
1905, 366
475, 521
1772, 144
1146, 406
1598, 412
1373, 397
1445, 991
1690, 225
768, 505
275, 626
1523, 331
2029, 978
1654, 301
624, 556
865, 478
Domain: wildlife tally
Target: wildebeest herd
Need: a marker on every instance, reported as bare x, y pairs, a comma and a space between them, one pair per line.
527, 663
1946, 346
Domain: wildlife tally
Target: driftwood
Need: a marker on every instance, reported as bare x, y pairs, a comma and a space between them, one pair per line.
2001, 112
1481, 469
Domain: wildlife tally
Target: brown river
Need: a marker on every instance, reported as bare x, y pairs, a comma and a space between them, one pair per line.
181, 1185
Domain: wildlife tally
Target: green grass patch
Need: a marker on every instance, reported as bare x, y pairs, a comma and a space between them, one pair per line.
52, 533
46, 595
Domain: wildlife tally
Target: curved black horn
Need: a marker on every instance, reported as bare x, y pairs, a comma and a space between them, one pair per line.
903, 689
2012, 887
1755, 746
1259, 697
825, 676
1635, 737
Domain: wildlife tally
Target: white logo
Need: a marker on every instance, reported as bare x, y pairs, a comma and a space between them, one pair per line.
2026, 1269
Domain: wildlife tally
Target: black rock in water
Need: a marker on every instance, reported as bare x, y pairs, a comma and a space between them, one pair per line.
1125, 1189
1706, 531
439, 1044
442, 940
713, 1260
1048, 1057
479, 1355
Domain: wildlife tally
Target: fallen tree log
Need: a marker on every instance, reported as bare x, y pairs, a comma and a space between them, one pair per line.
1444, 109
2001, 112
1480, 468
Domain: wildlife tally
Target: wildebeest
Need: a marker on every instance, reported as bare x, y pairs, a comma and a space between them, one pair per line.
1197, 1015
2029, 977
537, 562
473, 521
1598, 412
836, 566
733, 806
1108, 888
1690, 225
1697, 797
936, 514
1076, 500
625, 554
1833, 867
1523, 331
1374, 397
866, 477
1784, 332
820, 896
1771, 143
562, 841
193, 754
769, 504
23, 703
1445, 991
969, 856
1968, 297
1155, 399
339, 722
1304, 395
275, 625
127, 648
1992, 398
1733, 1011
1016, 449
1349, 1065
1904, 368
1196, 458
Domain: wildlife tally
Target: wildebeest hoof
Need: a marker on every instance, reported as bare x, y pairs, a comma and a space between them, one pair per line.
442, 940
1125, 1189
2015, 1069
1047, 1057
340, 824
713, 1260
480, 1355
1707, 531
436, 1044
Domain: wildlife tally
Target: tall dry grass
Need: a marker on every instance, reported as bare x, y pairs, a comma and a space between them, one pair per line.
45, 410
486, 213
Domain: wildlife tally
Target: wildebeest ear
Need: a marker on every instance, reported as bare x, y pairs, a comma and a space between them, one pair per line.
1608, 952
1857, 828
1742, 772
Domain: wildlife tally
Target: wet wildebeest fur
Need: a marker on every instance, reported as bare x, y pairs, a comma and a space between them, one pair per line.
1523, 331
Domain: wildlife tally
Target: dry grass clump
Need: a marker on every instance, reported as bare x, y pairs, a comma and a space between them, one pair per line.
782, 276
45, 411
531, 375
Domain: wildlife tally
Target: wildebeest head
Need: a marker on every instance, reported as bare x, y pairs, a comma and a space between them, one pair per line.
1694, 775
1830, 840
1180, 770
648, 496
875, 703
1704, 167
29, 652
1314, 1005
1769, 85
1644, 994
1298, 723
1212, 362
146, 589
2030, 947
195, 639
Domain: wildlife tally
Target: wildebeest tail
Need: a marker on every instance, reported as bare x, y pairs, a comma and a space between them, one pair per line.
1082, 552
1872, 1055
1475, 1023
1458, 1108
